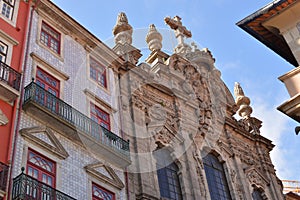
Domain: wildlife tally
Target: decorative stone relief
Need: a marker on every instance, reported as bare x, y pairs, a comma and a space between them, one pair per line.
161, 114
154, 39
256, 178
180, 32
250, 124
3, 119
242, 102
199, 170
105, 174
122, 30
195, 86
50, 143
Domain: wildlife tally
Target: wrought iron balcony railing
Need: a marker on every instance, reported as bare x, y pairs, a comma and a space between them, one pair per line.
28, 188
10, 76
64, 111
3, 176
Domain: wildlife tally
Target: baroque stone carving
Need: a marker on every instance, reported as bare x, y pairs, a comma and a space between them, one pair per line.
242, 101
199, 170
198, 88
180, 32
161, 114
122, 30
154, 39
256, 178
250, 124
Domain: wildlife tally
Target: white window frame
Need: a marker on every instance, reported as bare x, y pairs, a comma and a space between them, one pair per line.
3, 51
13, 16
9, 50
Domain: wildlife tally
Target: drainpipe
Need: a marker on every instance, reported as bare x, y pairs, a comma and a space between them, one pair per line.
24, 56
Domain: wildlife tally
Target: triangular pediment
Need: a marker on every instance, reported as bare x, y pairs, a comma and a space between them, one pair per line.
105, 173
44, 138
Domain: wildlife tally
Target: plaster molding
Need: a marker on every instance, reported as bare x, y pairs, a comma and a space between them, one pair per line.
49, 67
3, 119
113, 180
55, 147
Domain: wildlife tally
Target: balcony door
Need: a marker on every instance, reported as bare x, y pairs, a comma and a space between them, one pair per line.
48, 92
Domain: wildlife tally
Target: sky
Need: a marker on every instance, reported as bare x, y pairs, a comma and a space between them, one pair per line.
239, 56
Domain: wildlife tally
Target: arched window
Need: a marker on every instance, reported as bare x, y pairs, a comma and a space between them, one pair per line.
217, 183
168, 180
257, 194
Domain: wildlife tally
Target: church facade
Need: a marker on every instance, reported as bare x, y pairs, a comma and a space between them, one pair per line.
178, 115
97, 123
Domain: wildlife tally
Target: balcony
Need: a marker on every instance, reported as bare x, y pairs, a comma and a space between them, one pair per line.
9, 83
62, 117
26, 187
292, 83
3, 179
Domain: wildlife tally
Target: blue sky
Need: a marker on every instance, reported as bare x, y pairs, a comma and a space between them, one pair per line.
239, 56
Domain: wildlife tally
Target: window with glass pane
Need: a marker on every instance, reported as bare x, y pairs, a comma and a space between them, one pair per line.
49, 84
100, 116
167, 174
7, 8
99, 193
216, 179
98, 72
50, 38
41, 168
257, 195
3, 51
168, 181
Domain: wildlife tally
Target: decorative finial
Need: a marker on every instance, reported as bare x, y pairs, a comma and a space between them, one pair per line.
154, 39
22, 170
180, 32
242, 101
122, 30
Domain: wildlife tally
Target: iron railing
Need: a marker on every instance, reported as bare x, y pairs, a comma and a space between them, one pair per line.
10, 76
28, 188
39, 95
3, 176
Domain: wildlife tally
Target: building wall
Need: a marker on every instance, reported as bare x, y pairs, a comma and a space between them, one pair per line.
13, 32
71, 67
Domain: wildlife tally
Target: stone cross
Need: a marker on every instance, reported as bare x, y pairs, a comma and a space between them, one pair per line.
180, 30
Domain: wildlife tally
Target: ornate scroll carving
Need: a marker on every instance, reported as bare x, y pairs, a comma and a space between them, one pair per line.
256, 178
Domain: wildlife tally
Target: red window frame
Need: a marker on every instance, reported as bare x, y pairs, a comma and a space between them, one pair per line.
48, 82
50, 37
100, 116
98, 190
42, 169
98, 72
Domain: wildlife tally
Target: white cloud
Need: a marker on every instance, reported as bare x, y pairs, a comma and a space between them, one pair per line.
274, 127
